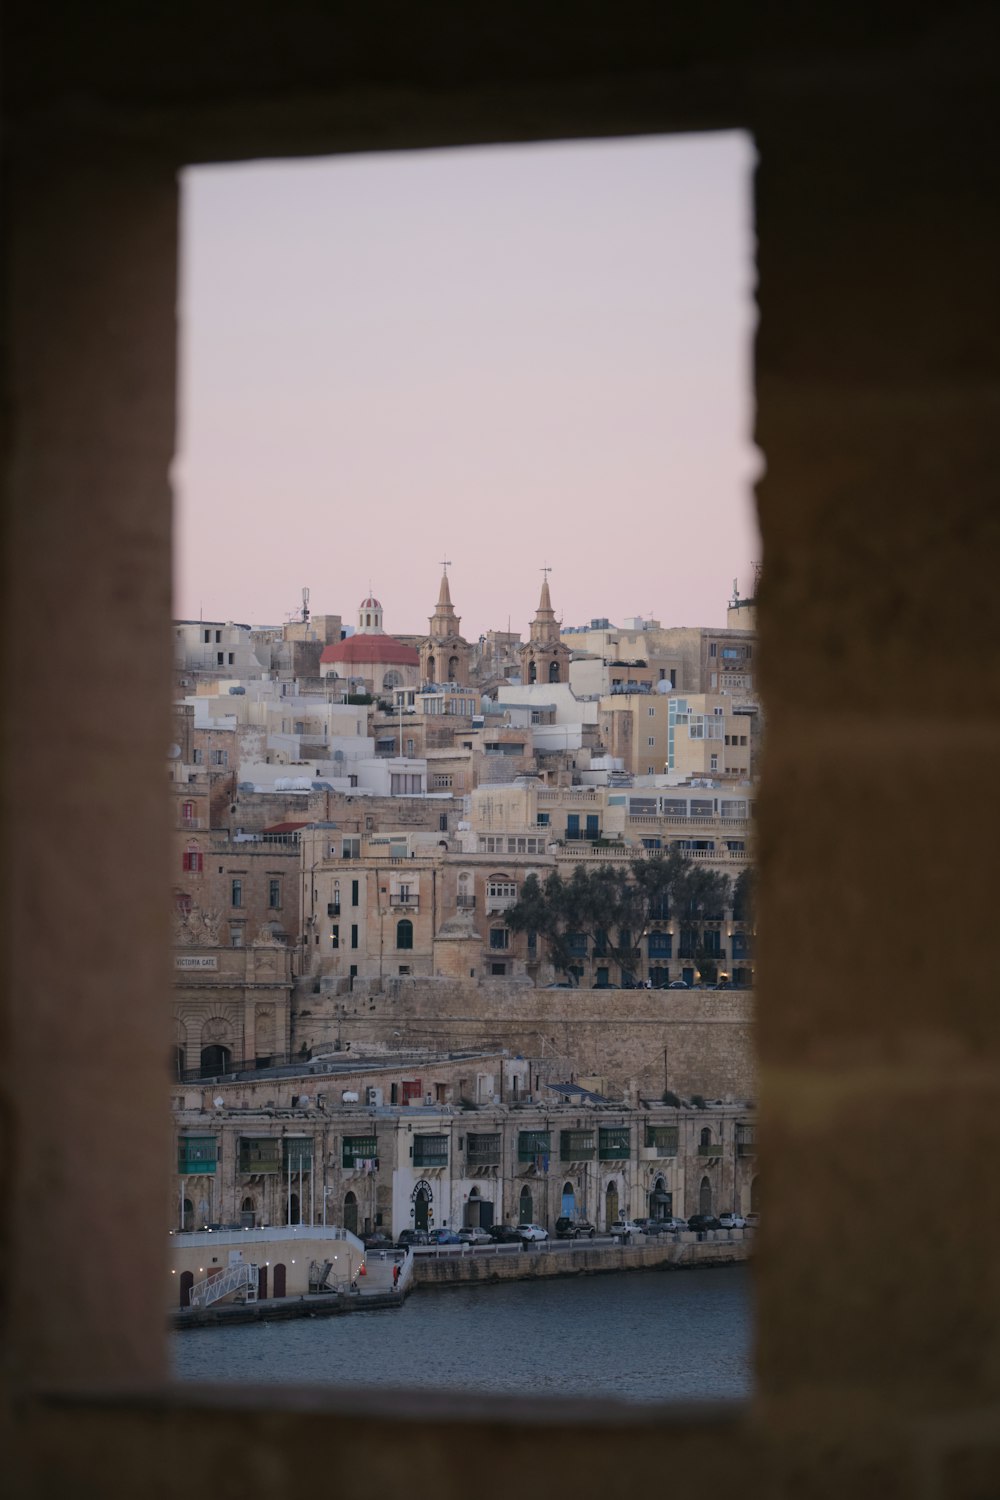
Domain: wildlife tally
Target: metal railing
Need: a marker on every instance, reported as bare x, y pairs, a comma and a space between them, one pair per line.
243, 1275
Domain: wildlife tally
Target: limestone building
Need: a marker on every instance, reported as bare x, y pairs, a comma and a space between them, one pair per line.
440, 1159
545, 658
369, 660
445, 654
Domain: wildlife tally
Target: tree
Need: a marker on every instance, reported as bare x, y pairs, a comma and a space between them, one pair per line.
607, 910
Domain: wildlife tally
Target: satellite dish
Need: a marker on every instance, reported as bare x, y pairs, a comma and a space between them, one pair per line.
173, 752
663, 686
218, 1101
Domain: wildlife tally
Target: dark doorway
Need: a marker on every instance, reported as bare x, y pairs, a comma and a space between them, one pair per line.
610, 1205
188, 1212
262, 1281
705, 1197
215, 1059
248, 1214
421, 1208
292, 1209
351, 1213
279, 1279
187, 1282
524, 1207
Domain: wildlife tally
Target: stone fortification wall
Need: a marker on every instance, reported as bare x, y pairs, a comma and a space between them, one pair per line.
691, 1041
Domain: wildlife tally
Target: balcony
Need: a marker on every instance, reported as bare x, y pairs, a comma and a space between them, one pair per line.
194, 824
357, 1149
532, 1144
260, 1156
483, 1151
662, 1139
197, 1156
615, 1144
430, 1150
465, 903
714, 1148
404, 901
577, 1145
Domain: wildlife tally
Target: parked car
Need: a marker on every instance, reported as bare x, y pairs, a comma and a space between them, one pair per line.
505, 1234
678, 984
443, 1237
624, 1228
532, 1232
377, 1241
701, 1222
410, 1237
574, 1229
672, 1226
604, 985
654, 1226
732, 1221
475, 1237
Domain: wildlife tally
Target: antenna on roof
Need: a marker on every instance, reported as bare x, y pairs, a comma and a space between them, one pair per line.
305, 606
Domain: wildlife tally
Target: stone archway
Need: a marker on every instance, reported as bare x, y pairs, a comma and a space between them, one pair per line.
568, 1204
661, 1200
525, 1207
351, 1212
705, 1197
610, 1203
422, 1200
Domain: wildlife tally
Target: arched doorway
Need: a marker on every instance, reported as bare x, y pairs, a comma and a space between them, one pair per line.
215, 1059
661, 1202
279, 1279
404, 933
473, 1209
453, 669
262, 1282
430, 669
553, 671
705, 1197
532, 672
187, 1282
705, 1139
248, 1214
524, 1207
568, 1208
421, 1206
351, 1213
292, 1213
188, 1214
610, 1204
754, 1195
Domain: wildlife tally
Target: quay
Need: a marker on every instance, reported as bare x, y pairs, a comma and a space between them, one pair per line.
460, 1266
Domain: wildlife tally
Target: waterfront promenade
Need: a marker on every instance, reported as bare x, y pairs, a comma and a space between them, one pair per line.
462, 1266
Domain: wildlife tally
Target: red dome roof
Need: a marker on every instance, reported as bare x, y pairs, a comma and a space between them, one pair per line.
361, 649
370, 603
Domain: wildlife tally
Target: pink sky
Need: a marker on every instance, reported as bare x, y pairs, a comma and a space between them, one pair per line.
503, 356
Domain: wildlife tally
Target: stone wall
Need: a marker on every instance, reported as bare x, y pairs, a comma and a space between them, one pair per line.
728, 1248
691, 1041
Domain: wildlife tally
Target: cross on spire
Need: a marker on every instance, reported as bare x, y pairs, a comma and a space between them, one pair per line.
446, 564
546, 570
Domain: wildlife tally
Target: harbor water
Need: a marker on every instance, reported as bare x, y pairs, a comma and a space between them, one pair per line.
655, 1336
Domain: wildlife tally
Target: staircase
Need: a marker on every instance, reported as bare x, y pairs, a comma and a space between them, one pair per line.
241, 1276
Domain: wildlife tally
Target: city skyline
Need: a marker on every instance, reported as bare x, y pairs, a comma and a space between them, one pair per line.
510, 357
